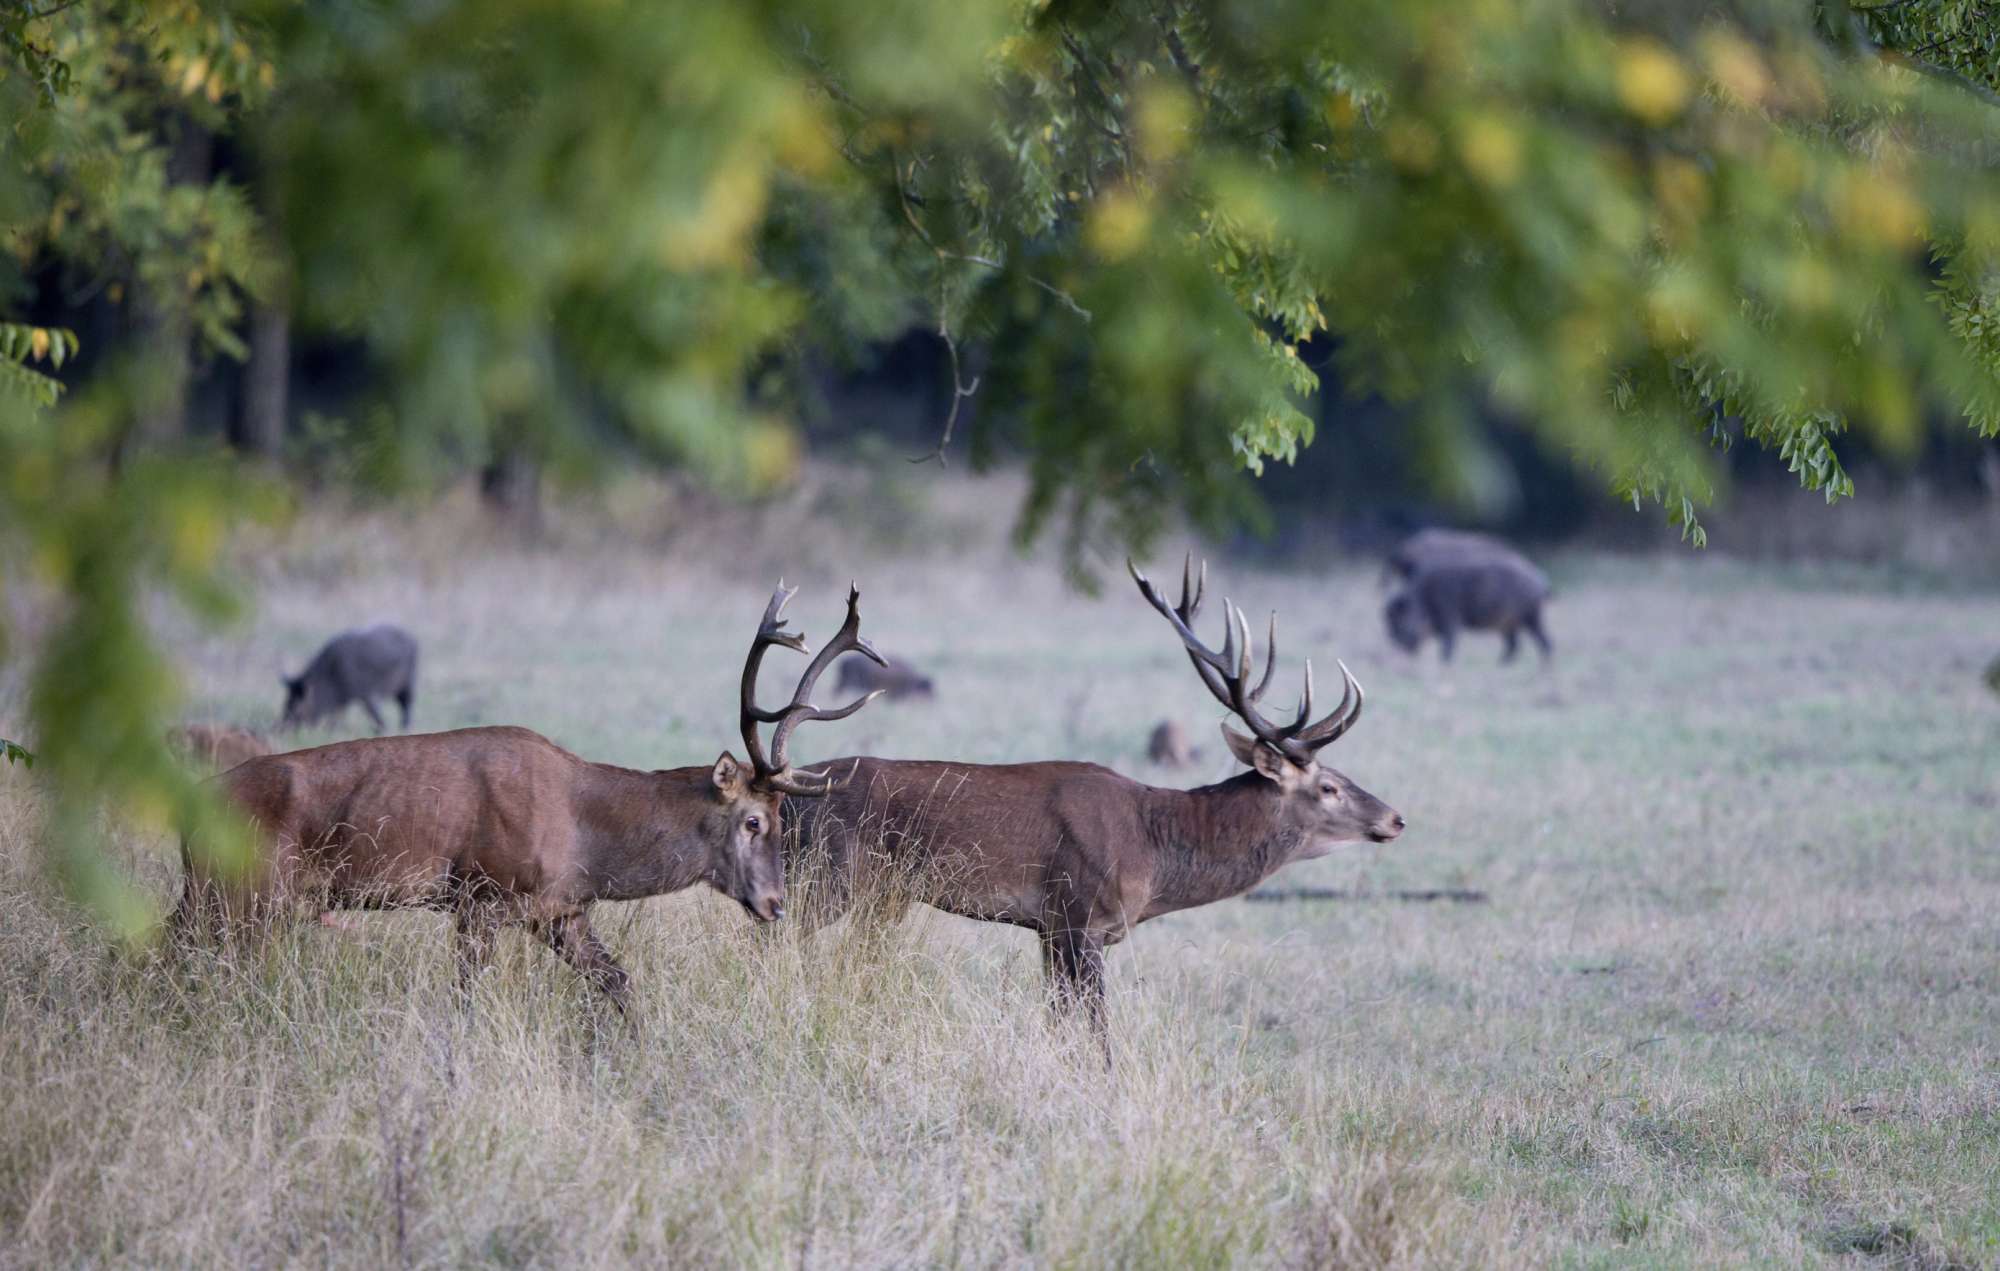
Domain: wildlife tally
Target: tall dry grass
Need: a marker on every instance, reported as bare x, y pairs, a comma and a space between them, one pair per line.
1731, 1000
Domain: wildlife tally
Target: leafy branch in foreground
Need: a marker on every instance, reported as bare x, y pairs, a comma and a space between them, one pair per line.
559, 237
18, 344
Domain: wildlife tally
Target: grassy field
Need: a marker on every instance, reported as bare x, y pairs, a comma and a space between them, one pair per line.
1734, 998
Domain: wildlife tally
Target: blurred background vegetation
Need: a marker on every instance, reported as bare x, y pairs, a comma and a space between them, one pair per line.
1241, 266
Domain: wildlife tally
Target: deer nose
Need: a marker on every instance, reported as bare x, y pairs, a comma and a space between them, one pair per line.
1389, 829
768, 908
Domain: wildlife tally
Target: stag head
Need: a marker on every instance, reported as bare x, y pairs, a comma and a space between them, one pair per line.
742, 827
1323, 805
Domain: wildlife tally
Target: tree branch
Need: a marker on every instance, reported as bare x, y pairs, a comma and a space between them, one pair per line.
1910, 62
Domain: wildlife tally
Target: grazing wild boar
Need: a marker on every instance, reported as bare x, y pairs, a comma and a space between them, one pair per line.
1445, 596
355, 666
217, 747
1168, 746
897, 679
1436, 546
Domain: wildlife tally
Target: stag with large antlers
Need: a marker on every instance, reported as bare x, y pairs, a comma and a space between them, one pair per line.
1078, 853
502, 827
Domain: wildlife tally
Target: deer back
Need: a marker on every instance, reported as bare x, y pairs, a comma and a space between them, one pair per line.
1000, 841
401, 818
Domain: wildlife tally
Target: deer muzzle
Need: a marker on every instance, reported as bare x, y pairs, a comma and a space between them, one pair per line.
1388, 826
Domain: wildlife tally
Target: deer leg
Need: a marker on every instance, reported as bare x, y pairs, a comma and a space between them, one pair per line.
184, 923
478, 927
368, 704
406, 696
1509, 644
575, 943
1074, 958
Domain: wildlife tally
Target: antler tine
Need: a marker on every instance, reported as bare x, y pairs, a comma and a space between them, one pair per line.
768, 633
1224, 673
1190, 611
1270, 656
823, 784
773, 770
1342, 718
1236, 666
848, 640
1208, 664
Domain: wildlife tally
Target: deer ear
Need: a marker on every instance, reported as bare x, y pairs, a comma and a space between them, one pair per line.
1244, 748
1268, 762
728, 774
1271, 764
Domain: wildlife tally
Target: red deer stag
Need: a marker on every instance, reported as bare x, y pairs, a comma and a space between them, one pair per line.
1078, 853
502, 827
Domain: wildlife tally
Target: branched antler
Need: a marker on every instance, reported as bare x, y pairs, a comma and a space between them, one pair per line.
775, 771
1225, 673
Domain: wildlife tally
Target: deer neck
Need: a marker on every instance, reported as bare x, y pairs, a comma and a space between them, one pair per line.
640, 833
1217, 841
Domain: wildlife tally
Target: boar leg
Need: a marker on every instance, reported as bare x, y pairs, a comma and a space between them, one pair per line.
1534, 625
1444, 620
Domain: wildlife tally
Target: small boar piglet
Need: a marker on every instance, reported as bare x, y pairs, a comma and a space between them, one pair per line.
355, 666
1169, 747
898, 679
1443, 597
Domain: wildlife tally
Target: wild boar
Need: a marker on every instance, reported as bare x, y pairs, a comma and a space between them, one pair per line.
898, 679
1438, 545
1447, 595
217, 747
1168, 746
355, 666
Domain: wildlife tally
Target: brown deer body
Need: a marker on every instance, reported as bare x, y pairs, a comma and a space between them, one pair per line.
216, 747
502, 827
1078, 853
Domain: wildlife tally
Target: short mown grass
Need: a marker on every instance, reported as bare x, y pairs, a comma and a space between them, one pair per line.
1731, 999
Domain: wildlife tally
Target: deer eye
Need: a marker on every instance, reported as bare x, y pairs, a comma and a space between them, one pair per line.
1327, 789
753, 825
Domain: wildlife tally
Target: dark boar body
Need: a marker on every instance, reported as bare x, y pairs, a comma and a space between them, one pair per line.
1445, 596
897, 679
1437, 546
355, 666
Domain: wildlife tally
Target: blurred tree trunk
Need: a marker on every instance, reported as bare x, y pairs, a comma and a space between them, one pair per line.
165, 327
267, 378
512, 486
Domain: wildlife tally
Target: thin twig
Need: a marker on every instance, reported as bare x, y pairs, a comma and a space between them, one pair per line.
1918, 64
958, 394
1192, 69
904, 197
1068, 301
959, 390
